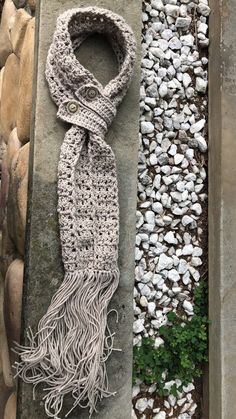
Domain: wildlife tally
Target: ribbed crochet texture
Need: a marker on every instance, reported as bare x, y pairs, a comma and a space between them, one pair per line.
73, 341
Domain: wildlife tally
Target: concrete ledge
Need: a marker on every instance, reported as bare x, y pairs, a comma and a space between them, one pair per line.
222, 210
44, 272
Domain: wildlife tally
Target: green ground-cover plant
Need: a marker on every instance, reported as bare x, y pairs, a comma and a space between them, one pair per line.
183, 353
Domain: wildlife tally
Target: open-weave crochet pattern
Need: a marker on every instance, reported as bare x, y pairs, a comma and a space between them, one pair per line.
73, 341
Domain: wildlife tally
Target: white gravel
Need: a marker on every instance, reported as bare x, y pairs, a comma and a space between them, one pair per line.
171, 178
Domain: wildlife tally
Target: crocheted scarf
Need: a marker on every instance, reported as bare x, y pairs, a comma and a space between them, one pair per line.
73, 341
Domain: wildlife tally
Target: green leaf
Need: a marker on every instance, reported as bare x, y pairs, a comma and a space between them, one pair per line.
184, 352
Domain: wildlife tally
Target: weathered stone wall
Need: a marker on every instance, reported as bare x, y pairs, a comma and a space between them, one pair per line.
16, 75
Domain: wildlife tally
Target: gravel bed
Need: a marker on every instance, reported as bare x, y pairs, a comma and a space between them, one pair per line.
172, 180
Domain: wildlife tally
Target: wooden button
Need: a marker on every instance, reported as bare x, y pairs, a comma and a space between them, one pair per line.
92, 93
72, 107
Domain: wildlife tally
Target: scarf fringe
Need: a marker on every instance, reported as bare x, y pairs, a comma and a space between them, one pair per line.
73, 341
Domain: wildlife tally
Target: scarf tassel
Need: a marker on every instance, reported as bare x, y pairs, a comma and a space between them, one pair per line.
73, 341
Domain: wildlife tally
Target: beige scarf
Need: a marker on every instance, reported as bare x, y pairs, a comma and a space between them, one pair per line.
73, 341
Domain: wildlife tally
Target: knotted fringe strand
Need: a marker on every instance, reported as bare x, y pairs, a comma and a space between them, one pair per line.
69, 351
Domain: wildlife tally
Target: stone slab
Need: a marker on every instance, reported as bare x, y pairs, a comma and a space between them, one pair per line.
43, 272
222, 210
